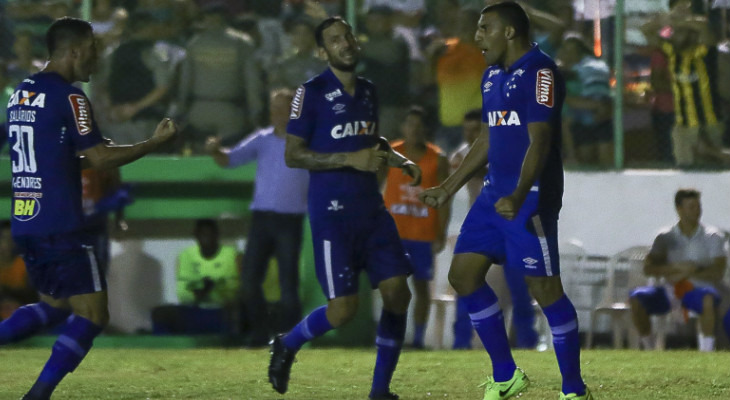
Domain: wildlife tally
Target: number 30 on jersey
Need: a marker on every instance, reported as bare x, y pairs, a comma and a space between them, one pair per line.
23, 148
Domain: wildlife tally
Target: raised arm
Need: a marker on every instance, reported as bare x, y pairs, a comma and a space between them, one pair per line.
107, 155
298, 155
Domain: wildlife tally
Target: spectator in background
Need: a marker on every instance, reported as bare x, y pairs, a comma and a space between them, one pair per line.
15, 288
587, 128
108, 21
24, 62
278, 208
102, 194
220, 86
662, 104
457, 66
141, 73
422, 229
692, 54
383, 58
207, 282
690, 256
6, 90
302, 63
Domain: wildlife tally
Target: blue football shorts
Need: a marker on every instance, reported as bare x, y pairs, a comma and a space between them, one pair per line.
656, 300
343, 247
421, 255
62, 265
529, 242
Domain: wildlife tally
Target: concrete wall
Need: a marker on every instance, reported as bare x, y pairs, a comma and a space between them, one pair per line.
607, 212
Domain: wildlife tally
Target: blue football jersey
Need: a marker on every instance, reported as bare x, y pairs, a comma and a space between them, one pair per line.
531, 90
330, 120
48, 122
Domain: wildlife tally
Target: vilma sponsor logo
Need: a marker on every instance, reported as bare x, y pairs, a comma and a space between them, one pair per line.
503, 118
545, 87
82, 113
296, 104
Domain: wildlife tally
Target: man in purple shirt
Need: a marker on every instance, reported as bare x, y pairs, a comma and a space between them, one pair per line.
278, 208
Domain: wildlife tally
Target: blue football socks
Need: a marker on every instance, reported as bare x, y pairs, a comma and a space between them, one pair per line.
29, 320
419, 334
486, 317
463, 329
563, 321
68, 351
389, 341
313, 325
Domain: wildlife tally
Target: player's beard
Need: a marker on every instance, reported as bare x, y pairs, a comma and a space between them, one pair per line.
343, 66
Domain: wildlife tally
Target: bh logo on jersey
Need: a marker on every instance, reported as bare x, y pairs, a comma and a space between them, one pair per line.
25, 209
503, 118
353, 128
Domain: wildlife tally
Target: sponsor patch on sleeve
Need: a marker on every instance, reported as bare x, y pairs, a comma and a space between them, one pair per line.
545, 87
82, 113
297, 104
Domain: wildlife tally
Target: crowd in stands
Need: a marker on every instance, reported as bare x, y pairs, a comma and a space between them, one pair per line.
211, 64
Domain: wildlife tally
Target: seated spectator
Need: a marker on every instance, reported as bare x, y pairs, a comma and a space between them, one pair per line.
587, 112
207, 282
691, 258
24, 61
15, 289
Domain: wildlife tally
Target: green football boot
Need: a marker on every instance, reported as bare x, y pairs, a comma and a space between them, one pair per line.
573, 396
505, 390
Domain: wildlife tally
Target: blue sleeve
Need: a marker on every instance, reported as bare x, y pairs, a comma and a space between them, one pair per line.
82, 128
302, 117
485, 89
542, 95
245, 151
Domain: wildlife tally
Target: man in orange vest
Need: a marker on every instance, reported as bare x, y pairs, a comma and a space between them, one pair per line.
422, 229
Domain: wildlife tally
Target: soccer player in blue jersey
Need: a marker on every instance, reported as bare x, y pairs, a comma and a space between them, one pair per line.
332, 132
52, 136
514, 221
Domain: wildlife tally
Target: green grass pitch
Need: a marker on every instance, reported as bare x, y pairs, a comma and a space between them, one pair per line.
344, 374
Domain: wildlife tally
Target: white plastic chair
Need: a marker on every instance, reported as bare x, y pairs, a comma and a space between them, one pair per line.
624, 272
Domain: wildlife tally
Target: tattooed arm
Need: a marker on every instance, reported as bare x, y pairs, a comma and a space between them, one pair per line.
297, 155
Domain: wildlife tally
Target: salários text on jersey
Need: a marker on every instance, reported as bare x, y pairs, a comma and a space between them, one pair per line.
22, 116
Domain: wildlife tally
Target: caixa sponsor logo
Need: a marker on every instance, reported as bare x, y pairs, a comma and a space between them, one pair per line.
353, 128
503, 118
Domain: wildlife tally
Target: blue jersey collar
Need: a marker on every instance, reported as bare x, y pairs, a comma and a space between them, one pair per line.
334, 81
525, 57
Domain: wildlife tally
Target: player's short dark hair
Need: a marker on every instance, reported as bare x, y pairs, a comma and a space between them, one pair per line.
206, 223
473, 115
511, 14
318, 31
66, 30
418, 111
683, 194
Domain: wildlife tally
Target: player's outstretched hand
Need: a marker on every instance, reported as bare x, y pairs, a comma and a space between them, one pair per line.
434, 197
414, 171
165, 130
212, 144
370, 159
